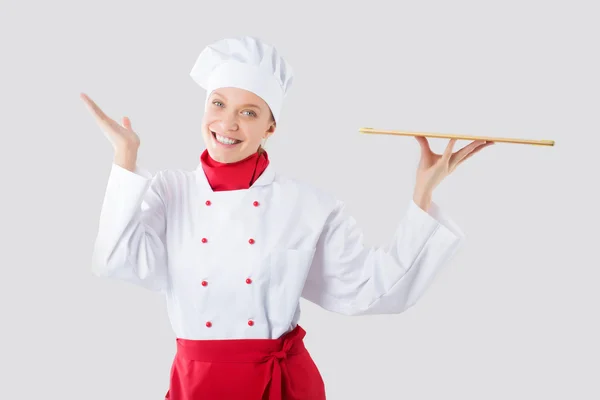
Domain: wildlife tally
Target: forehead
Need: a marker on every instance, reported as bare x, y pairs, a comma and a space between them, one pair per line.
239, 96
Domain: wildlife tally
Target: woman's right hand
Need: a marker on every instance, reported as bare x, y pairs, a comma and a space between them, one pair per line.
123, 138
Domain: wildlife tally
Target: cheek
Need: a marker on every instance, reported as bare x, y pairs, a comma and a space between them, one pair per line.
207, 118
209, 114
253, 135
207, 122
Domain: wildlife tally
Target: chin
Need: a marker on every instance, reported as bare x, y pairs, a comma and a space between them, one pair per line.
223, 153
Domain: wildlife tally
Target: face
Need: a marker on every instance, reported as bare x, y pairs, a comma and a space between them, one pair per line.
234, 124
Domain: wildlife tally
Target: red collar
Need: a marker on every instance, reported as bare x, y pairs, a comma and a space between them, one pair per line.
233, 176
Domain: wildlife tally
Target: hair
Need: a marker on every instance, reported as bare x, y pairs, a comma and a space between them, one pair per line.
260, 147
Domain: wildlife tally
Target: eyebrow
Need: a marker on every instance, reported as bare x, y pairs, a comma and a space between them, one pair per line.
243, 105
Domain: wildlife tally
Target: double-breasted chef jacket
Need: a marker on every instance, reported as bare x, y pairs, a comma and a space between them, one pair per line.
234, 264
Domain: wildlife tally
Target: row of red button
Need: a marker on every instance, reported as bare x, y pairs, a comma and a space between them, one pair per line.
209, 324
251, 240
255, 203
248, 280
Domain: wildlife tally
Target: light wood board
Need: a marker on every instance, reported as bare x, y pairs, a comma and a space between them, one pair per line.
458, 136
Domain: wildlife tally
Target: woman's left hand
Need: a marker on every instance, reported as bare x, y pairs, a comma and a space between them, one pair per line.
433, 168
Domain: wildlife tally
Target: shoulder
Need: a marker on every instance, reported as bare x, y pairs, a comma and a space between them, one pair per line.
163, 178
175, 174
169, 183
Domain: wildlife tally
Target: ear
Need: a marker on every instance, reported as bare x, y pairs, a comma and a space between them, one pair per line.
271, 130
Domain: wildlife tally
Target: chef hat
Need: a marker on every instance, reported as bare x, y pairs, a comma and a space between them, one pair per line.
248, 63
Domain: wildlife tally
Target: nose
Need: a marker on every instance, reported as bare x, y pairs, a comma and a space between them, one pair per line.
229, 122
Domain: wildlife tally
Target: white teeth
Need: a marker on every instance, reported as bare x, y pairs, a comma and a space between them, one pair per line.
225, 140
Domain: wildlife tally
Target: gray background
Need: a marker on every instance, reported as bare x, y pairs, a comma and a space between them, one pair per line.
513, 316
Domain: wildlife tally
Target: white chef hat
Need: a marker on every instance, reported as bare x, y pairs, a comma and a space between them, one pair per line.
248, 63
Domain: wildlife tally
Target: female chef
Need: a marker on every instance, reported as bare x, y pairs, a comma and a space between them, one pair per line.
233, 245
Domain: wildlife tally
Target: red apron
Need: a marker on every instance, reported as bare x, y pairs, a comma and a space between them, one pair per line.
249, 369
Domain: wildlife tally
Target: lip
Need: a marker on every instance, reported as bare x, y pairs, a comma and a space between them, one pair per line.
223, 144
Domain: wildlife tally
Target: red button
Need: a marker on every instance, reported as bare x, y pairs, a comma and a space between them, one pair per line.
208, 203
204, 240
209, 324
204, 283
248, 281
255, 204
250, 322
251, 241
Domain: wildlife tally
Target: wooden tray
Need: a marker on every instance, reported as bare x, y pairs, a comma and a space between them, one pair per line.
456, 136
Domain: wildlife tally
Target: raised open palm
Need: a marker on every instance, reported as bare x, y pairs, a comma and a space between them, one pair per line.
120, 136
433, 167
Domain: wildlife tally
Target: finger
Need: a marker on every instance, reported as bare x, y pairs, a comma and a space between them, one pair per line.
426, 152
93, 107
460, 154
127, 123
478, 149
423, 142
103, 120
449, 148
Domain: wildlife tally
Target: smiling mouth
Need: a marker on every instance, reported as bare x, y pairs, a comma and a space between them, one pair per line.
225, 140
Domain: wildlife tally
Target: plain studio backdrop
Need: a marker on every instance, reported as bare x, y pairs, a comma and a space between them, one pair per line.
514, 315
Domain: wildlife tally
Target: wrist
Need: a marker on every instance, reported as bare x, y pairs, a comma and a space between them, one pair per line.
423, 200
126, 157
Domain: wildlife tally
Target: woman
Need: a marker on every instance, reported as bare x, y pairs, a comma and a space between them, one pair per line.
234, 246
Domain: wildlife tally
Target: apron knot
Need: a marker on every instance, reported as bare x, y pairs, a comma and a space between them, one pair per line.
280, 355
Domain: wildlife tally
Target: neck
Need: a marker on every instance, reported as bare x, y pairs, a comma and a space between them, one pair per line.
235, 175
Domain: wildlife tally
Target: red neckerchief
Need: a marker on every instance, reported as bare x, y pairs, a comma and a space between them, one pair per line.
233, 176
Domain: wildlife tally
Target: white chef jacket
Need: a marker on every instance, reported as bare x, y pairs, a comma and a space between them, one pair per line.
234, 264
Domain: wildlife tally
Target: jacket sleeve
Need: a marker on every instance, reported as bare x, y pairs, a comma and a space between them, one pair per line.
130, 244
348, 278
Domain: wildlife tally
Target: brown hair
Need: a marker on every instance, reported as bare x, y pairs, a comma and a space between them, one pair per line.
260, 148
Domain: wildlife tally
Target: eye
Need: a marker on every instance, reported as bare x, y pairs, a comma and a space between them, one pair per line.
216, 101
251, 112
